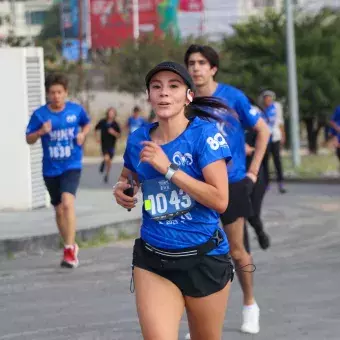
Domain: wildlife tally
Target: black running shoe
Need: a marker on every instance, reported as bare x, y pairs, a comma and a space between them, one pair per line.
264, 240
101, 167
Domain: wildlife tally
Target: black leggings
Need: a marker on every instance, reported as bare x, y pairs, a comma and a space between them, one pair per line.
256, 200
274, 149
338, 153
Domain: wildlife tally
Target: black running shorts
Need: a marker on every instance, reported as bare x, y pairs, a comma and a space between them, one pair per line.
239, 201
195, 276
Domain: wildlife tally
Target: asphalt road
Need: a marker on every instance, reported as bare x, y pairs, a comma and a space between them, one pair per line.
296, 281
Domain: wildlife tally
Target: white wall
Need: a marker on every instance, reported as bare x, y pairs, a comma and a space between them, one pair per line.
15, 180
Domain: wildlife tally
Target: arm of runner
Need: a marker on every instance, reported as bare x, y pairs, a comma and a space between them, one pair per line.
36, 128
261, 143
118, 190
129, 168
212, 154
333, 121
113, 132
334, 126
250, 117
84, 122
213, 193
249, 150
96, 129
281, 123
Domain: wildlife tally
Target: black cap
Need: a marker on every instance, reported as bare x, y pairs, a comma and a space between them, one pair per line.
173, 67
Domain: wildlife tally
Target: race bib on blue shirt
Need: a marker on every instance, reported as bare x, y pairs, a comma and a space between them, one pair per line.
165, 200
61, 143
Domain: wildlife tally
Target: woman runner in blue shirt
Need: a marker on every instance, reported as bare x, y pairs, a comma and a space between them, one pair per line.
182, 258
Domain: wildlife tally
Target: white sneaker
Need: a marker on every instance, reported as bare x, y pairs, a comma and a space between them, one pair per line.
187, 337
251, 319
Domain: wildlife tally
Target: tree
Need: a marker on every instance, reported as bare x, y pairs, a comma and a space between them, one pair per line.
255, 58
51, 27
129, 64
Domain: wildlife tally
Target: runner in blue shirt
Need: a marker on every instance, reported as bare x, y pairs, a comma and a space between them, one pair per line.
62, 127
335, 125
273, 116
202, 63
135, 121
181, 260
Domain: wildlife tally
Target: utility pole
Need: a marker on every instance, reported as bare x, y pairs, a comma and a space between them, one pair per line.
292, 85
135, 16
80, 38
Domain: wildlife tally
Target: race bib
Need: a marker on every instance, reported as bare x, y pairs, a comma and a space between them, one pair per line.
60, 152
164, 200
61, 143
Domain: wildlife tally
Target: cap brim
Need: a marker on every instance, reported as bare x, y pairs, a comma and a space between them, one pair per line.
158, 69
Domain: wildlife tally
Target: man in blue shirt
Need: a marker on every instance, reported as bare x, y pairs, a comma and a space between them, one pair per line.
135, 121
202, 63
62, 127
335, 125
272, 114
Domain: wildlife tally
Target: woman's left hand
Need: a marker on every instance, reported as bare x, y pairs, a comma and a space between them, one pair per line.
153, 154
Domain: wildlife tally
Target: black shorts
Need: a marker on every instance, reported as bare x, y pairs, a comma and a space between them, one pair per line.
239, 201
66, 182
108, 151
338, 153
195, 276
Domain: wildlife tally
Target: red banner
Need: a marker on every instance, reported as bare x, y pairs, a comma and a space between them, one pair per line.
191, 5
112, 21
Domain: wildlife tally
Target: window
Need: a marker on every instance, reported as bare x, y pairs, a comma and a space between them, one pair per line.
35, 18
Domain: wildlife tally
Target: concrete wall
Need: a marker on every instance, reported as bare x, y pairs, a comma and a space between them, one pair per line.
15, 181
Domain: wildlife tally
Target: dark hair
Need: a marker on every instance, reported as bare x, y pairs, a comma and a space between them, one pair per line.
56, 79
108, 110
208, 53
136, 109
209, 108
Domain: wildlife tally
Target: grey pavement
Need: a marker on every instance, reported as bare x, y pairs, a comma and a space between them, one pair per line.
31, 231
296, 282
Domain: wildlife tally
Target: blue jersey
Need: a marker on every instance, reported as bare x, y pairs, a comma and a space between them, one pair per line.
135, 123
336, 119
60, 149
269, 116
233, 129
198, 146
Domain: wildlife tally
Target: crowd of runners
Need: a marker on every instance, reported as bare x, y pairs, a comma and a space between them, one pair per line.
201, 162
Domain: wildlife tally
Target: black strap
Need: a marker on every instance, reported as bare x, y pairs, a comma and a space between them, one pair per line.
203, 249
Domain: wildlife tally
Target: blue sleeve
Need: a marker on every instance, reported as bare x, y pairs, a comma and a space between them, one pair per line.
34, 124
84, 119
336, 115
212, 147
128, 156
248, 115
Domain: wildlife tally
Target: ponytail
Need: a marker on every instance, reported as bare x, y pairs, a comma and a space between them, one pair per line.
209, 108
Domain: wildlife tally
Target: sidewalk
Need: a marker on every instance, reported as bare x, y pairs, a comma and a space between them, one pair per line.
96, 210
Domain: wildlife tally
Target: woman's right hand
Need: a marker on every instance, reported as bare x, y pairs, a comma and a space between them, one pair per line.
123, 200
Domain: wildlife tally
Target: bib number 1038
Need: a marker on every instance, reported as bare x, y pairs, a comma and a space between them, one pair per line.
160, 205
60, 152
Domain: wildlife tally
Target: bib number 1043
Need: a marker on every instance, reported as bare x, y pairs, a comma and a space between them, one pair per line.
160, 205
